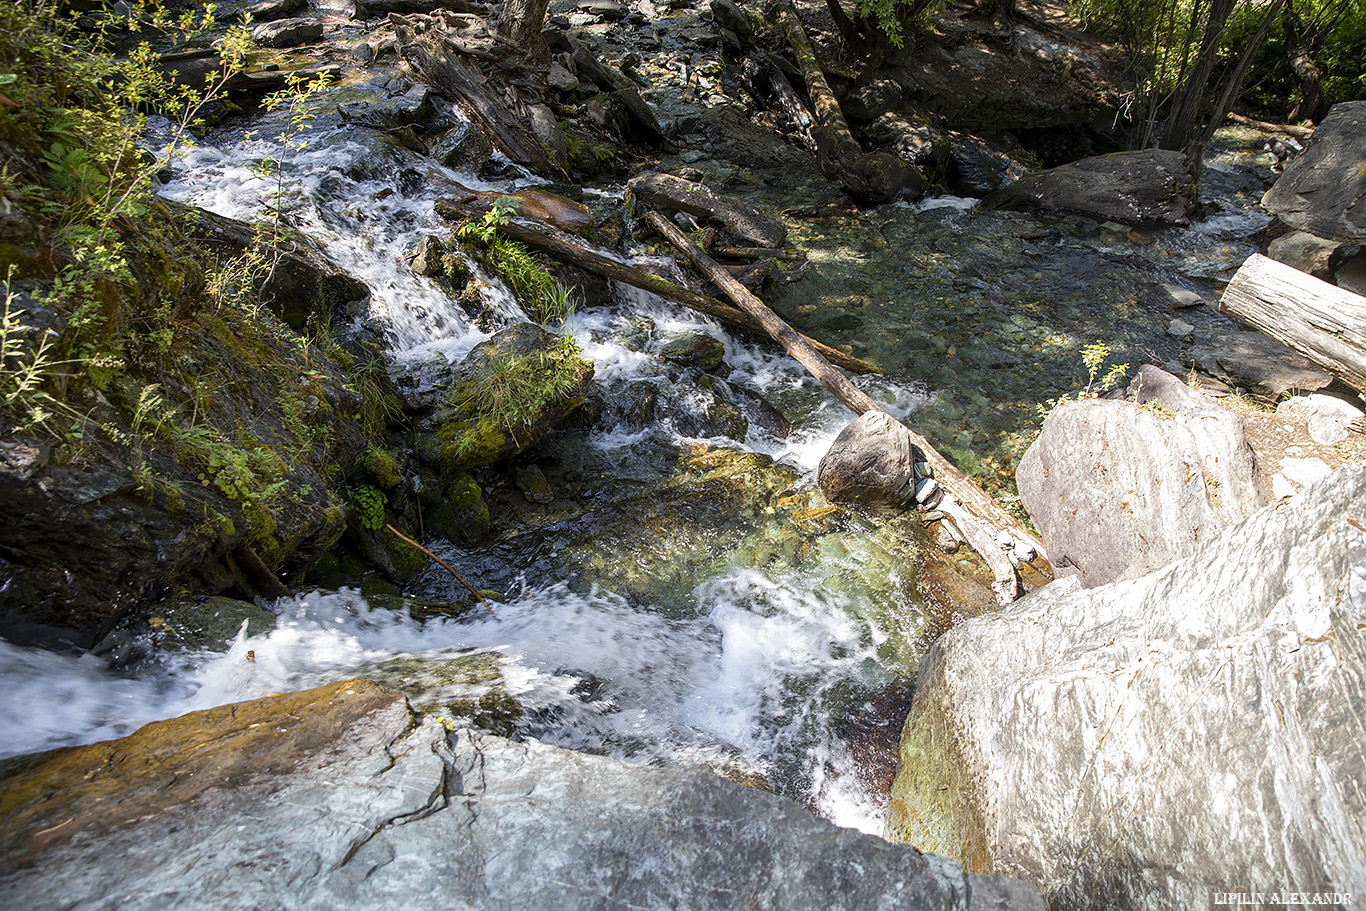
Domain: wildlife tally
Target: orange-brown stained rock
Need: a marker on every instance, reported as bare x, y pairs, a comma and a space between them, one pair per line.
47, 799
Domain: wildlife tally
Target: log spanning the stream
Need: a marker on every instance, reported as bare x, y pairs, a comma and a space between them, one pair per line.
875, 177
1325, 323
567, 249
978, 512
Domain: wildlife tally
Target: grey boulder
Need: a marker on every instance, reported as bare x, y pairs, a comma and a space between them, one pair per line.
871, 463
1153, 744
333, 798
1148, 187
1322, 190
1117, 489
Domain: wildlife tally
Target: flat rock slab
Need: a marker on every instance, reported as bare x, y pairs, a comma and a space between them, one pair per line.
1117, 489
1148, 187
1150, 744
1323, 191
1257, 362
332, 798
287, 32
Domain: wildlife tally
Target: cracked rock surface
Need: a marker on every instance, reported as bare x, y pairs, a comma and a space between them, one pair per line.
334, 798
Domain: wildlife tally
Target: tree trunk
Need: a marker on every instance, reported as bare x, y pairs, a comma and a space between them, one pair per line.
985, 512
1298, 47
1321, 321
1234, 84
521, 21
572, 251
1182, 123
875, 178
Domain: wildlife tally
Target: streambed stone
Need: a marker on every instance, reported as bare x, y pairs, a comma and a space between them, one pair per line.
333, 798
1148, 187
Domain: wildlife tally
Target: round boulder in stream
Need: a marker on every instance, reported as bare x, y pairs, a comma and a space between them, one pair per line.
871, 463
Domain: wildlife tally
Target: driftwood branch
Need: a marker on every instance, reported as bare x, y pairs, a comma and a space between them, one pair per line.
1325, 323
402, 537
573, 251
257, 573
979, 511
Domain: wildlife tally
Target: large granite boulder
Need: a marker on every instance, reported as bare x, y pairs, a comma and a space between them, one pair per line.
1322, 190
1159, 742
333, 798
1147, 187
1120, 488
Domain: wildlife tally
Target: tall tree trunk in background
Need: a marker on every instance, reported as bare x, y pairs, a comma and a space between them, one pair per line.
1183, 123
1301, 43
1233, 85
521, 21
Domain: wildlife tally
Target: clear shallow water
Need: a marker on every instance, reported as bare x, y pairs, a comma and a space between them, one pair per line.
669, 617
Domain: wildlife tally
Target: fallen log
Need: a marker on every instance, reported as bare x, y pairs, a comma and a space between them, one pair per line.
979, 511
875, 177
573, 251
1325, 323
1288, 129
674, 194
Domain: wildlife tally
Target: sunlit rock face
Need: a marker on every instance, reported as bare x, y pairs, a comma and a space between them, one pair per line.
333, 798
1147, 744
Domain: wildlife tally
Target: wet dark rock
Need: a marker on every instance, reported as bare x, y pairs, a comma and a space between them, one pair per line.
463, 147
1148, 187
1141, 744
1313, 255
1253, 361
978, 167
729, 16
263, 10
1322, 190
334, 797
871, 463
561, 79
697, 350
704, 407
674, 194
915, 138
208, 624
429, 257
287, 32
1117, 489
303, 280
873, 100
391, 113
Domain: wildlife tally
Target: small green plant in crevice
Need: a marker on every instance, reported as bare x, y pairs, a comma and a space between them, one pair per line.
367, 505
547, 299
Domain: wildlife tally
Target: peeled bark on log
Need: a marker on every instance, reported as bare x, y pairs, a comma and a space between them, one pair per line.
438, 61
877, 177
979, 511
572, 250
791, 104
1325, 323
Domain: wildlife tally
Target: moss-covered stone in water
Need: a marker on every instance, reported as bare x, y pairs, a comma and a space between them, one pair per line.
934, 802
209, 624
463, 491
407, 558
382, 468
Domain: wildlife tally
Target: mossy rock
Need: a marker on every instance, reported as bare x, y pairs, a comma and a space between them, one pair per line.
206, 625
467, 690
695, 349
